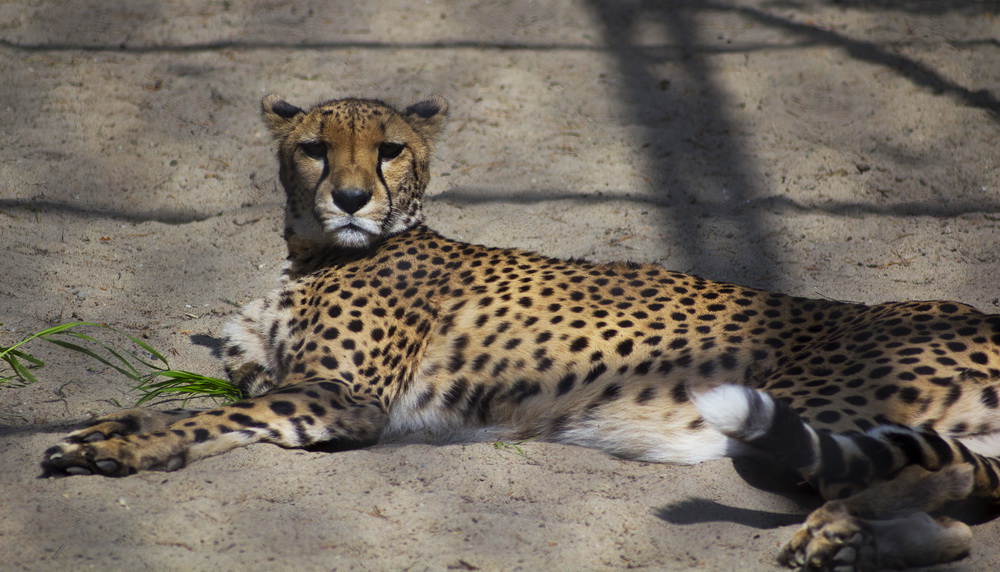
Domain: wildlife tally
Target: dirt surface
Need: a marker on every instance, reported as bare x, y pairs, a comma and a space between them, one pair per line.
843, 149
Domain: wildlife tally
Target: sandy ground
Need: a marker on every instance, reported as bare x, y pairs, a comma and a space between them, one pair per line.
845, 149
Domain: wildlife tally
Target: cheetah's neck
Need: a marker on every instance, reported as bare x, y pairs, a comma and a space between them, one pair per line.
306, 257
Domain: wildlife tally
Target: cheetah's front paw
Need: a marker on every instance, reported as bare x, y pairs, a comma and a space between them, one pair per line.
67, 459
832, 539
118, 444
116, 457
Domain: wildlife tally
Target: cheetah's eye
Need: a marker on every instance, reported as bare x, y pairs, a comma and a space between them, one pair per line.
388, 151
313, 149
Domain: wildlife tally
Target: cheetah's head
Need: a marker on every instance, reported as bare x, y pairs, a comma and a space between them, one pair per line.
354, 170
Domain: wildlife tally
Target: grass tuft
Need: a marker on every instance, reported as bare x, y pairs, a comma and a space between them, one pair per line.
148, 368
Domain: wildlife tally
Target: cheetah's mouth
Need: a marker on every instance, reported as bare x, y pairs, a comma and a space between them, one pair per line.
352, 231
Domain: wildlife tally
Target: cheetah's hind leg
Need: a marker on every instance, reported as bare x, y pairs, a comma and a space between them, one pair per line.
886, 526
118, 424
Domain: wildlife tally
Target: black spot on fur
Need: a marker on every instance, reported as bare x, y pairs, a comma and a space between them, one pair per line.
679, 393
246, 421
566, 384
624, 348
828, 416
284, 408
597, 371
988, 397
645, 395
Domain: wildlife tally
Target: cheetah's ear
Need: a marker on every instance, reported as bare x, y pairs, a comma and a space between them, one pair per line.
279, 115
427, 116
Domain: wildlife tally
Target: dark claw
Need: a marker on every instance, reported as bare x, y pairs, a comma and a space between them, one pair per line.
107, 466
95, 436
78, 471
50, 471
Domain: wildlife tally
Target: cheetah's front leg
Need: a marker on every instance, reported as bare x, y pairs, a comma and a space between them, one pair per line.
293, 416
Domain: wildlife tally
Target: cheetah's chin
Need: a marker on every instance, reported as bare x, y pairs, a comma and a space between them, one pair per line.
354, 233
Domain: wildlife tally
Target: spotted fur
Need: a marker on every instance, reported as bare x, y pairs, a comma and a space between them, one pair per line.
383, 327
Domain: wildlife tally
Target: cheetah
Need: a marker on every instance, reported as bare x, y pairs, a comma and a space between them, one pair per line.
382, 328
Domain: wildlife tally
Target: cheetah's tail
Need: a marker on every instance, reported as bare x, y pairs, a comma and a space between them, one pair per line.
836, 462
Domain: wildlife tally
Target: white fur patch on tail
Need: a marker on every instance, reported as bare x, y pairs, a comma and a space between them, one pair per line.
735, 410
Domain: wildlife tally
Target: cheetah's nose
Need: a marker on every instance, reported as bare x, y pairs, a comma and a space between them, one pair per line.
351, 200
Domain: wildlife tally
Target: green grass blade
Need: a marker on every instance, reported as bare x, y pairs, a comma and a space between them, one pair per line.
19, 355
45, 332
126, 363
131, 372
14, 356
21, 371
156, 355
